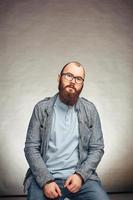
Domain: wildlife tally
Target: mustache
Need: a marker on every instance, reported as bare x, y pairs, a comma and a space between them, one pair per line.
71, 86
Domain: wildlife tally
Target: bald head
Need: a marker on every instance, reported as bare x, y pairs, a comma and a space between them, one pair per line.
72, 64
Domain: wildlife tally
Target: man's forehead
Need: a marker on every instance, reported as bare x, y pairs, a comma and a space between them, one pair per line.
73, 68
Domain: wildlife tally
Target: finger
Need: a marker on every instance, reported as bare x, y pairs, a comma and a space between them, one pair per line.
54, 194
49, 195
68, 182
71, 187
74, 189
58, 190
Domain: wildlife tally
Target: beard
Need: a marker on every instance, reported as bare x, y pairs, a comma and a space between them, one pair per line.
68, 97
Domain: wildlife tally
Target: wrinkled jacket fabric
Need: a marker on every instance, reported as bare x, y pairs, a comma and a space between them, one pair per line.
90, 148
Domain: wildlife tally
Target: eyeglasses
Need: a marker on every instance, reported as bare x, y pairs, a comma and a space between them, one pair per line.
70, 77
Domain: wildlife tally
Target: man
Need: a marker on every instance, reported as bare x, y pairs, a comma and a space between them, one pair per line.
64, 143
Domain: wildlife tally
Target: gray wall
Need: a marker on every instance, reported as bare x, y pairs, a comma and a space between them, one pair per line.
37, 37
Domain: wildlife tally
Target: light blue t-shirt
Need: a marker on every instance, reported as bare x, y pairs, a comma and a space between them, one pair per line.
62, 156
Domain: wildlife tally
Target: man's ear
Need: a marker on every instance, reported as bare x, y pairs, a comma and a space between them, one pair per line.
58, 78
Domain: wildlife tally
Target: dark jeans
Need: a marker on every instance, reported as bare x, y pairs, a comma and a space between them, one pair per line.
90, 190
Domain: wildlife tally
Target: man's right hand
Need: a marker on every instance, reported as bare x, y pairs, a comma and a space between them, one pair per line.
51, 190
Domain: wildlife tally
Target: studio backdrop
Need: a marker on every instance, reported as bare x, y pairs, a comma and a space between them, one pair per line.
38, 37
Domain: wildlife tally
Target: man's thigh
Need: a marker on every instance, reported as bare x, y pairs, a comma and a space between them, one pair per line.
91, 190
35, 192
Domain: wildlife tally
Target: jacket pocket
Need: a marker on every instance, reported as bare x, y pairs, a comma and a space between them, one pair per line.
86, 135
42, 132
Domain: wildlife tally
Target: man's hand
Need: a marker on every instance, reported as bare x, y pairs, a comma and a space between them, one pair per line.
73, 183
51, 190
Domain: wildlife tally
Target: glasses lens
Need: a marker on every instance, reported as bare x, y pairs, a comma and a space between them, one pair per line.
69, 76
79, 80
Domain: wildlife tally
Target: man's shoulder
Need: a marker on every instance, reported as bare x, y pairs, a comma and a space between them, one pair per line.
88, 105
46, 102
87, 102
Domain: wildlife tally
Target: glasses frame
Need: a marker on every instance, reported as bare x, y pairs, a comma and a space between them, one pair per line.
72, 77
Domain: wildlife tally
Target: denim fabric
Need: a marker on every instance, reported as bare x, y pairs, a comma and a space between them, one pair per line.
90, 190
90, 148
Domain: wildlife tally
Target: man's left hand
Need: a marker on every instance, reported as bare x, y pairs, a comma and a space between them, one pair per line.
73, 183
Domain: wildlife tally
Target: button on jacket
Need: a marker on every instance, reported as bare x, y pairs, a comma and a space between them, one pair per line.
90, 148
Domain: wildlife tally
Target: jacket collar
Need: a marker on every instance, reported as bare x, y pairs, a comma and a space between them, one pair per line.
51, 101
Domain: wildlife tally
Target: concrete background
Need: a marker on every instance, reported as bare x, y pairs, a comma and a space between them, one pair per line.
38, 37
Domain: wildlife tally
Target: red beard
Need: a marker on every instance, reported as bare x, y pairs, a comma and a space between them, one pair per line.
68, 98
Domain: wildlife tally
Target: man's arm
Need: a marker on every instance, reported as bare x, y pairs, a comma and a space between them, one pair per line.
32, 149
95, 148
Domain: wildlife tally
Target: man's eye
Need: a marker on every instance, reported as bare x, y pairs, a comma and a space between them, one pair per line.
79, 78
69, 75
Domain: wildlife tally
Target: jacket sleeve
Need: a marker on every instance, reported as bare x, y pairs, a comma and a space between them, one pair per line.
95, 147
32, 149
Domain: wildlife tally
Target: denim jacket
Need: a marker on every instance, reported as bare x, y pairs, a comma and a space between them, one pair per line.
90, 148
